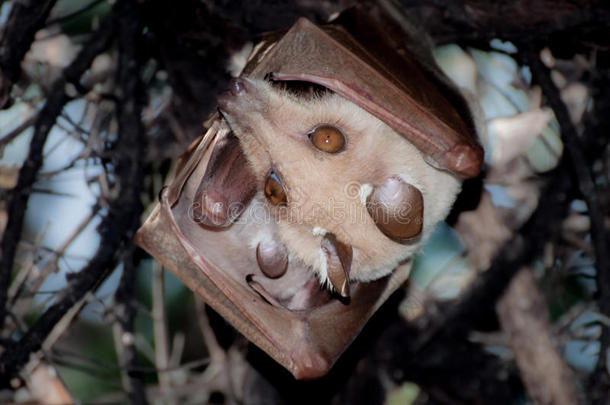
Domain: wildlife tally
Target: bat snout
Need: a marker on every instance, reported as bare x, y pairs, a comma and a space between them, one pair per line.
237, 88
242, 98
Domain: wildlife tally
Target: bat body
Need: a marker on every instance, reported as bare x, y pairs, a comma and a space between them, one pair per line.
298, 212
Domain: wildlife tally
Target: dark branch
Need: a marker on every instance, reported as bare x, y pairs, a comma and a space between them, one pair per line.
123, 212
125, 313
17, 198
590, 194
133, 138
25, 19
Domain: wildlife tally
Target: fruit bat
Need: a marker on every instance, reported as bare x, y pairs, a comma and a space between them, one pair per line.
329, 162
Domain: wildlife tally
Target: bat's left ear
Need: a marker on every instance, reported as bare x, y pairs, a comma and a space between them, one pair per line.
397, 209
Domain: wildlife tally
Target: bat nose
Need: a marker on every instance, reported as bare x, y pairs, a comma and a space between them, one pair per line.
238, 86
236, 94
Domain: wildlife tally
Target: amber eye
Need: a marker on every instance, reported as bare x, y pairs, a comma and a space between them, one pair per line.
327, 138
274, 191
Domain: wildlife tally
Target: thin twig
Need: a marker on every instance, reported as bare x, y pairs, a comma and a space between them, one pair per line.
49, 266
123, 212
217, 353
26, 17
124, 330
590, 194
8, 138
160, 327
524, 318
18, 197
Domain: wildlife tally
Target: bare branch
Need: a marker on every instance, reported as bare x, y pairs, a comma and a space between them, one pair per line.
17, 198
26, 18
523, 316
123, 212
124, 330
590, 194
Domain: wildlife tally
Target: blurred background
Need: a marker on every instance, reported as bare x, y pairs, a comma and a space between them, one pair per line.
508, 303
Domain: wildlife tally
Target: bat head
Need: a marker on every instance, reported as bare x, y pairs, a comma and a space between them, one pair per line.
349, 198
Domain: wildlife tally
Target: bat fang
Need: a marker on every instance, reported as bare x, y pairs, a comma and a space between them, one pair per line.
339, 257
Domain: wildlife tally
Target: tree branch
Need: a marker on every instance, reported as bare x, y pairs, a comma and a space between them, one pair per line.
123, 212
524, 318
589, 192
26, 18
125, 339
17, 198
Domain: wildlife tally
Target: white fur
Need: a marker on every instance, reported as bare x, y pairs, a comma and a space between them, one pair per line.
318, 231
272, 127
364, 192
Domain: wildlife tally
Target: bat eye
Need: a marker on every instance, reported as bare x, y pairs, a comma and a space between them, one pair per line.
274, 191
327, 138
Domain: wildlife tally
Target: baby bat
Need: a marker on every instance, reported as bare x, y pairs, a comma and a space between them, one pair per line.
298, 212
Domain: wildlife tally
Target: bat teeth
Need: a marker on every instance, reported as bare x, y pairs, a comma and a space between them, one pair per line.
272, 258
397, 209
339, 262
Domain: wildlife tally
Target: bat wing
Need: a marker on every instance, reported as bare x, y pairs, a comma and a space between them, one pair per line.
193, 232
376, 70
306, 342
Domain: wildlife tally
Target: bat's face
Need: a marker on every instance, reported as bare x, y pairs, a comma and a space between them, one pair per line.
348, 197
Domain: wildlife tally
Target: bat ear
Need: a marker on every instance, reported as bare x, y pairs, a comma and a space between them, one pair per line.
339, 263
397, 209
226, 188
